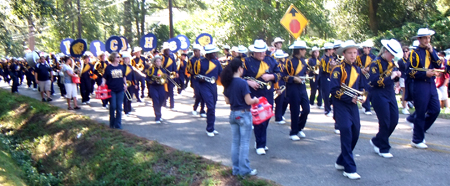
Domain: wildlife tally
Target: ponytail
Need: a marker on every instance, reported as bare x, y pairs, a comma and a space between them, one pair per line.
226, 77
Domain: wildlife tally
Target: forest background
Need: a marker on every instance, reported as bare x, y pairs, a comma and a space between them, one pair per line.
230, 22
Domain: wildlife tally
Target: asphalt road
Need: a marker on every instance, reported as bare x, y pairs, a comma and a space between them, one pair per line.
309, 161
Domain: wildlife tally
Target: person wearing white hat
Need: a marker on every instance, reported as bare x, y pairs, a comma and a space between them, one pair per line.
131, 82
194, 83
294, 75
364, 60
326, 65
233, 51
264, 69
346, 112
425, 94
281, 102
206, 72
86, 80
169, 63
139, 63
313, 64
403, 63
382, 76
277, 43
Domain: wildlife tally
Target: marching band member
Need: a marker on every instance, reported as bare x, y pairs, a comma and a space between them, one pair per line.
294, 76
21, 70
206, 72
278, 44
170, 65
313, 63
264, 69
29, 75
425, 94
233, 51
139, 63
99, 70
381, 83
85, 80
281, 102
241, 52
116, 81
14, 73
158, 86
324, 77
6, 66
227, 58
131, 82
348, 74
237, 95
43, 78
182, 72
402, 64
198, 100
71, 88
364, 61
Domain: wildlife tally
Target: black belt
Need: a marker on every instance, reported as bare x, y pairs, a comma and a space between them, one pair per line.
242, 110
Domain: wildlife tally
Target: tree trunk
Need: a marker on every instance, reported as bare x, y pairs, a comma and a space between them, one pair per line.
31, 30
373, 20
136, 11
127, 24
79, 19
143, 13
170, 19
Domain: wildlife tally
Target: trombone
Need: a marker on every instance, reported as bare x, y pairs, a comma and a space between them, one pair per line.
171, 76
361, 95
262, 84
282, 89
211, 80
127, 93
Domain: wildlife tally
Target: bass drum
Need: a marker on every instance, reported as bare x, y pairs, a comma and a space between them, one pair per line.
32, 58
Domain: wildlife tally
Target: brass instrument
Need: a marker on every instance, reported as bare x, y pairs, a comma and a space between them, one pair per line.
140, 66
303, 78
361, 95
138, 71
77, 68
314, 70
262, 84
127, 93
171, 76
160, 80
282, 89
425, 69
99, 68
129, 83
211, 80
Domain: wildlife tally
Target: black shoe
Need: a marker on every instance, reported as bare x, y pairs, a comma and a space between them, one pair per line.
139, 101
49, 99
43, 100
142, 96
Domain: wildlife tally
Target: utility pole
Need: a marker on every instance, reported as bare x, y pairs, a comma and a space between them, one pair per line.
79, 19
170, 19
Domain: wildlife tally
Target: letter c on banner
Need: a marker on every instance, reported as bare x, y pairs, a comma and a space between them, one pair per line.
114, 44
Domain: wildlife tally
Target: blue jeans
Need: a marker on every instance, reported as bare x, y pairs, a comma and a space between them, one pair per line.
115, 110
241, 129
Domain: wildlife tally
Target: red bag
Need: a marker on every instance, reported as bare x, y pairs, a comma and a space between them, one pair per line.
76, 79
262, 111
102, 92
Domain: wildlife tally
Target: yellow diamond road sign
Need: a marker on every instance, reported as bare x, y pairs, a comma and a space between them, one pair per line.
294, 21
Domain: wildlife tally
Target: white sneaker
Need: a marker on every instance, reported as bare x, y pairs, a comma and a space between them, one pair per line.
338, 167
421, 145
352, 176
127, 115
386, 155
280, 122
405, 111
321, 107
253, 172
210, 134
301, 134
375, 148
34, 89
160, 119
337, 131
173, 109
158, 122
260, 151
215, 132
368, 113
194, 113
330, 114
295, 138
283, 118
266, 148
203, 115
83, 103
88, 102
447, 110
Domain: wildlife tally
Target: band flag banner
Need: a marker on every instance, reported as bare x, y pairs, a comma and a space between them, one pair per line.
294, 21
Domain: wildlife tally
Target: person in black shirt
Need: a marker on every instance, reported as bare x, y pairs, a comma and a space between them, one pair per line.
14, 73
237, 94
85, 79
114, 78
43, 77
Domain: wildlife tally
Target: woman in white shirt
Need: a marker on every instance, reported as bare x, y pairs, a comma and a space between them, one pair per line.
71, 88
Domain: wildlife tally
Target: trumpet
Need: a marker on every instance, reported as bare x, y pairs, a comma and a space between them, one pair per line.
303, 78
171, 76
262, 84
282, 89
314, 69
211, 80
361, 95
425, 69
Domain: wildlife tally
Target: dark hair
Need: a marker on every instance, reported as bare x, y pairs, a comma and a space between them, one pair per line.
226, 77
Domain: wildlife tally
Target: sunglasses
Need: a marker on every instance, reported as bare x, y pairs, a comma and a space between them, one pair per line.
404, 51
117, 57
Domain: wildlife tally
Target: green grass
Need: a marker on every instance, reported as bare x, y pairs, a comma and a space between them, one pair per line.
101, 156
10, 173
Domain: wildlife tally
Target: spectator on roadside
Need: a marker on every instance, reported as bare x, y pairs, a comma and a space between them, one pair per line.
402, 64
43, 75
442, 80
71, 88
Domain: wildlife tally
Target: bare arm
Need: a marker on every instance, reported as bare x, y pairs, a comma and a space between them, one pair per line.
249, 100
227, 101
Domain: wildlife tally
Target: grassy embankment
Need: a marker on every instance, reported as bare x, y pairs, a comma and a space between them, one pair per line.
69, 149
